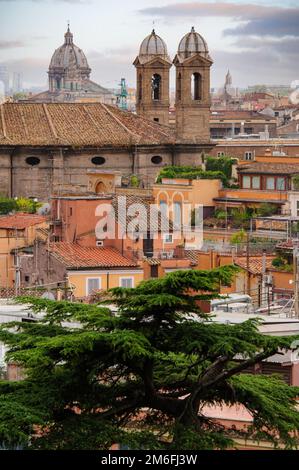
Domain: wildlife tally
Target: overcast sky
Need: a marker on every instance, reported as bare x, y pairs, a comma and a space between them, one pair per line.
257, 40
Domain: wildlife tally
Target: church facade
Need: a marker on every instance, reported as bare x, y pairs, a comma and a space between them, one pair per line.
79, 148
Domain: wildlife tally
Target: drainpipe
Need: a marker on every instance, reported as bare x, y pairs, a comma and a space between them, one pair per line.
11, 174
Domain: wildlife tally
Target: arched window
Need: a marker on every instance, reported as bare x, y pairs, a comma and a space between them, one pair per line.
156, 86
58, 83
163, 208
179, 87
196, 86
140, 88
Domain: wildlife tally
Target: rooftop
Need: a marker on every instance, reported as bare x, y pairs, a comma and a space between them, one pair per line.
77, 124
270, 168
239, 115
255, 265
76, 256
20, 221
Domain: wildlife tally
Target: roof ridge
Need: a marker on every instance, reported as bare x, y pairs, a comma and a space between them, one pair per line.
24, 122
50, 122
119, 121
94, 121
3, 122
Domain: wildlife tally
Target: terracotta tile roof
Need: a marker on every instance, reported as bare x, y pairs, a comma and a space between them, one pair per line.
239, 115
255, 263
77, 124
287, 245
73, 255
270, 168
20, 221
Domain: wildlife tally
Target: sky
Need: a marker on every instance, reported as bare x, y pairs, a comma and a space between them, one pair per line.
257, 40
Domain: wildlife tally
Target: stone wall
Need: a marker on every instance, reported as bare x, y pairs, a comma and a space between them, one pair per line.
66, 170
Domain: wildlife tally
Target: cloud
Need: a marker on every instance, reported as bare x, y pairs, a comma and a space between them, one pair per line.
11, 44
20, 43
287, 45
225, 9
283, 23
263, 66
257, 19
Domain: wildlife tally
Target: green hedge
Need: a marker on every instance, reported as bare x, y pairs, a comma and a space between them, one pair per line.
8, 205
191, 173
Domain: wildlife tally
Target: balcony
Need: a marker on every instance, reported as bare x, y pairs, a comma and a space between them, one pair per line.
242, 196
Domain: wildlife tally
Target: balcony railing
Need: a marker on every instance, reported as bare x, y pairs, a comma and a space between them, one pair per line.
177, 253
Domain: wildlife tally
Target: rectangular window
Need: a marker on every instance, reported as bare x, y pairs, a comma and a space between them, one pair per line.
177, 219
246, 182
248, 156
127, 282
164, 208
297, 208
270, 183
256, 182
168, 238
280, 184
92, 284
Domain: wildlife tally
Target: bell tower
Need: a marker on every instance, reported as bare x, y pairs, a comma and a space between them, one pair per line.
152, 68
193, 101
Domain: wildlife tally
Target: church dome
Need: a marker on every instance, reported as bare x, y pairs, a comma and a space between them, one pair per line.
69, 56
193, 43
153, 45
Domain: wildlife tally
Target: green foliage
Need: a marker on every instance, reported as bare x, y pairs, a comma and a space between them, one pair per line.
19, 96
222, 164
220, 214
143, 376
282, 264
266, 210
19, 205
134, 181
278, 262
7, 205
191, 173
238, 237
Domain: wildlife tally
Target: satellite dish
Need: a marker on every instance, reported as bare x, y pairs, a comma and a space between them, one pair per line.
48, 296
45, 209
